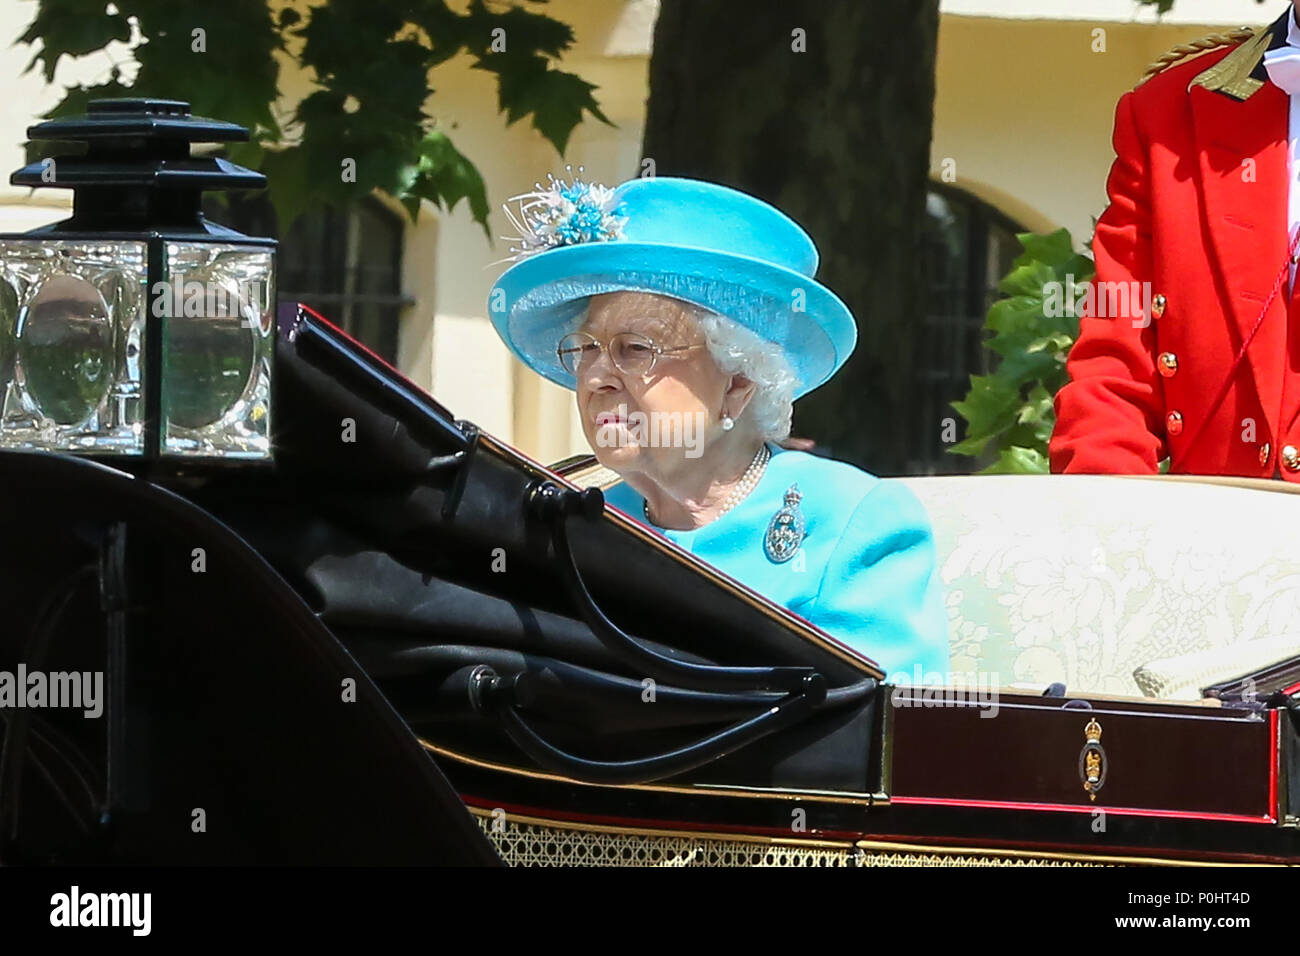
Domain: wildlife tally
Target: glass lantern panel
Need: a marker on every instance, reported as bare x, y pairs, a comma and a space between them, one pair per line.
219, 300
72, 329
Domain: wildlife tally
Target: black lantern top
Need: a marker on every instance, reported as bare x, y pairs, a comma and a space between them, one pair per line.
136, 172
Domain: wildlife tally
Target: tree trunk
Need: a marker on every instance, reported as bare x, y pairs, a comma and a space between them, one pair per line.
837, 137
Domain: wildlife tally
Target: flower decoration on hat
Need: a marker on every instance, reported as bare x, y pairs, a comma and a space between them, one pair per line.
563, 214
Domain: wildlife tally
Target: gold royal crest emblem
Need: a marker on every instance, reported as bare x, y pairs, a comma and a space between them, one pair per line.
1092, 760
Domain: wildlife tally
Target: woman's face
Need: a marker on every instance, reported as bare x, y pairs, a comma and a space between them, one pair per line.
655, 421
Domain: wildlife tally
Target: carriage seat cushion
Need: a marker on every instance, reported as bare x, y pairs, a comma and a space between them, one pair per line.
1107, 583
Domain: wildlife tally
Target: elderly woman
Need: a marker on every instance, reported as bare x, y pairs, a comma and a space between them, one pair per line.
685, 317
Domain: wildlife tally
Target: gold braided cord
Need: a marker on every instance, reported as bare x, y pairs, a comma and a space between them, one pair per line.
1194, 48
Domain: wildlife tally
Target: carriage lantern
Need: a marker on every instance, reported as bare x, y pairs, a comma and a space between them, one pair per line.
137, 327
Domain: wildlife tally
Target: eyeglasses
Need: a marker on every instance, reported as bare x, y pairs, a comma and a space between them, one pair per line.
631, 352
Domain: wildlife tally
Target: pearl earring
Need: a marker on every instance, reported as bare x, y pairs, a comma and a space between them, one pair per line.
728, 423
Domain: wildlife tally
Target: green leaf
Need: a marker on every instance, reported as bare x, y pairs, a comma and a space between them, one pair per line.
1021, 367
1019, 461
376, 150
1027, 278
990, 405
970, 446
74, 28
445, 176
228, 72
556, 100
1011, 412
521, 30
1037, 408
292, 183
284, 173
1052, 248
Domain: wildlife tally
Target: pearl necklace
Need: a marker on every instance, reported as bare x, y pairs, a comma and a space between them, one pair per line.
743, 487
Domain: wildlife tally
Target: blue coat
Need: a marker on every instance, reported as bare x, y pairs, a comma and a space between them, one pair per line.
865, 572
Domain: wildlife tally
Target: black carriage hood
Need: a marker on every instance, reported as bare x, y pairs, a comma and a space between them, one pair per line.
436, 553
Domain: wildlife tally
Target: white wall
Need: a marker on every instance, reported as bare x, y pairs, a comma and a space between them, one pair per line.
1025, 107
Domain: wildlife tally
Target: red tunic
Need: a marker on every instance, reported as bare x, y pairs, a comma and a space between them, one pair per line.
1198, 209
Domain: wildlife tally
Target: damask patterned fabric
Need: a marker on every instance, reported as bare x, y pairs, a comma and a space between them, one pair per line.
1085, 579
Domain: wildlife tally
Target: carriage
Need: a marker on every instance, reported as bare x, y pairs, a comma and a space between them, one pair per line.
335, 623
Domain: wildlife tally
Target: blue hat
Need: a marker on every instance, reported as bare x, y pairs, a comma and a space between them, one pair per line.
714, 247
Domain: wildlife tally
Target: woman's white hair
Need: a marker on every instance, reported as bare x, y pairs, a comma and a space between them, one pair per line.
738, 350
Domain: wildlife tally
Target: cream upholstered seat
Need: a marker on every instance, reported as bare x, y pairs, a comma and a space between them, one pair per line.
1110, 585
1088, 579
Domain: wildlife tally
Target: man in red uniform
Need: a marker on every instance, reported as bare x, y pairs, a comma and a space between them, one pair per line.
1200, 360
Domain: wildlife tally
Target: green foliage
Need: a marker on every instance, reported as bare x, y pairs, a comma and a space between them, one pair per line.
1010, 412
77, 27
370, 61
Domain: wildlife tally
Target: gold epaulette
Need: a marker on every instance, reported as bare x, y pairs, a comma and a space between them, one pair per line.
1195, 48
